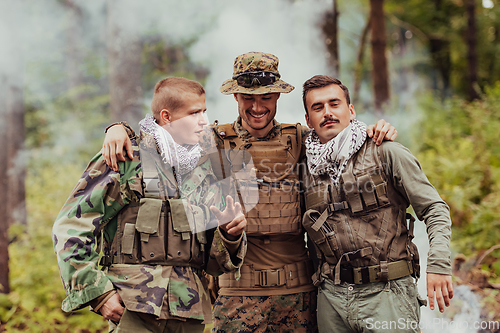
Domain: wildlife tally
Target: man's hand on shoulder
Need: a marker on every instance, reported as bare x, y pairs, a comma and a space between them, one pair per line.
112, 148
440, 287
381, 131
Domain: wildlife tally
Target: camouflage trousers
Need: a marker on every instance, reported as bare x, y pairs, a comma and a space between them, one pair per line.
135, 322
281, 313
386, 307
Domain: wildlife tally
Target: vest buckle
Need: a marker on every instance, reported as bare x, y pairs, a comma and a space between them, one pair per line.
336, 206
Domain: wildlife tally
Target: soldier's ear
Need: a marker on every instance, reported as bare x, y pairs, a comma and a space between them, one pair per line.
165, 117
352, 112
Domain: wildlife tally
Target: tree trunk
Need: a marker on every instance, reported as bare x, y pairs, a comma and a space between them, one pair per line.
440, 49
358, 69
12, 159
74, 52
330, 30
4, 195
124, 57
471, 49
380, 72
16, 167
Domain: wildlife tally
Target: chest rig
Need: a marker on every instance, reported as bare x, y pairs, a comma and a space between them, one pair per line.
274, 186
274, 189
160, 228
360, 225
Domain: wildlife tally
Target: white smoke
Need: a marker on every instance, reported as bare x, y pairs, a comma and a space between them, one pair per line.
284, 28
465, 310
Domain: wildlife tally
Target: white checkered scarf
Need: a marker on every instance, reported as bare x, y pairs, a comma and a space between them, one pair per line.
183, 159
332, 157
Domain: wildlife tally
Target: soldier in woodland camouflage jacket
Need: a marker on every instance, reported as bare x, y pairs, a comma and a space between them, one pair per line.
90, 226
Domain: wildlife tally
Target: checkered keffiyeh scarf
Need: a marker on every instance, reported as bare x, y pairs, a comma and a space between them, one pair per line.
182, 158
332, 157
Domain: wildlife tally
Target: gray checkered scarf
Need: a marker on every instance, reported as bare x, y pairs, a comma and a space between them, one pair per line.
183, 159
332, 157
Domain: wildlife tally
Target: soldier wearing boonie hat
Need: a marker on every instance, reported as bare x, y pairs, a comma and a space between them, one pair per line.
275, 291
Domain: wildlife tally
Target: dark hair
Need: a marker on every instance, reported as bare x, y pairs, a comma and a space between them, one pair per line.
320, 81
169, 92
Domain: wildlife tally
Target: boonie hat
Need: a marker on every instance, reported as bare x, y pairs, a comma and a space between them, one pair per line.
255, 73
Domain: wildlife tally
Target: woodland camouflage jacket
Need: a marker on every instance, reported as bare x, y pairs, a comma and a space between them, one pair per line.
90, 214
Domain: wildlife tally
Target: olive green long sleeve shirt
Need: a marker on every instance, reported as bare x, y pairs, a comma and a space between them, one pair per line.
409, 179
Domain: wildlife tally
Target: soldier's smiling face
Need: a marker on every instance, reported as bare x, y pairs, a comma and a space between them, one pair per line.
257, 112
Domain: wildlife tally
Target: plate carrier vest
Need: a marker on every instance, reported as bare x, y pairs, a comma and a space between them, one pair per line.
156, 230
360, 223
277, 199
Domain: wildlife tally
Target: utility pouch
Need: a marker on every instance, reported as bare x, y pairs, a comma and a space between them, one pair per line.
320, 232
415, 260
412, 248
151, 230
179, 233
199, 239
183, 246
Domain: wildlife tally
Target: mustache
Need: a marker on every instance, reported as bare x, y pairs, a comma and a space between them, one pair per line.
329, 118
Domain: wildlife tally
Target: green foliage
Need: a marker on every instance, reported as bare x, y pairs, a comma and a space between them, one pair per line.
460, 154
442, 27
34, 304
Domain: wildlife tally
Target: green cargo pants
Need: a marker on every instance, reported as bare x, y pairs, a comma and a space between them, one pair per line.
134, 322
392, 306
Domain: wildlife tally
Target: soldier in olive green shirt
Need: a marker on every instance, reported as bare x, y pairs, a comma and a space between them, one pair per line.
356, 195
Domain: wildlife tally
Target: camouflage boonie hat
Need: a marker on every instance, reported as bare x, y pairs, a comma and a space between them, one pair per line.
252, 62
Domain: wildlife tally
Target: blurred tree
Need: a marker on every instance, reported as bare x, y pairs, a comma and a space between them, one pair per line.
13, 165
16, 154
446, 28
380, 72
124, 61
358, 68
331, 33
471, 49
4, 195
74, 38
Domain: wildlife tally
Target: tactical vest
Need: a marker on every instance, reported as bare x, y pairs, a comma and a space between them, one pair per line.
361, 223
274, 188
157, 229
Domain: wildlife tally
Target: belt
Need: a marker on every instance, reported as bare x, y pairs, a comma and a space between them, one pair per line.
368, 274
291, 275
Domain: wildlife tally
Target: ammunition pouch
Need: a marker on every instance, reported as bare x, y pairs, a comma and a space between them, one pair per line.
161, 233
321, 234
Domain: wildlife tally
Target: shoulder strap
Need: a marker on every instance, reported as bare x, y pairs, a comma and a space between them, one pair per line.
152, 184
226, 130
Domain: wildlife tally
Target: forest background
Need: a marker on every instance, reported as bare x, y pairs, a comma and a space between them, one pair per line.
69, 68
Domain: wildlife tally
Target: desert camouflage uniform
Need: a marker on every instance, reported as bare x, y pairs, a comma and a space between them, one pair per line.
295, 312
89, 217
